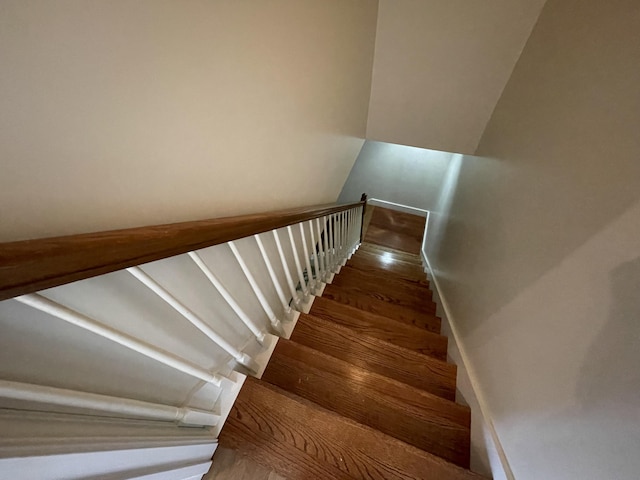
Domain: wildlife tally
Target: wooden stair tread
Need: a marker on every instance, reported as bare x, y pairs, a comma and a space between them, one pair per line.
363, 260
383, 328
301, 440
398, 222
386, 257
398, 230
330, 383
362, 388
413, 299
396, 287
384, 358
392, 253
385, 306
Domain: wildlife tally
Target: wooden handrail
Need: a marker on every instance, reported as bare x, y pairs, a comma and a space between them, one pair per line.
32, 265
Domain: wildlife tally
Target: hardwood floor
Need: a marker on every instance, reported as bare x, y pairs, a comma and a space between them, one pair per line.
376, 355
362, 389
390, 330
397, 230
329, 382
307, 441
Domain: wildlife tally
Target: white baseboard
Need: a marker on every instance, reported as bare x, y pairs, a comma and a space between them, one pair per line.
488, 456
376, 202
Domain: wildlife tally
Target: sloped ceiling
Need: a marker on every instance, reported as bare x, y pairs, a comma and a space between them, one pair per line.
440, 68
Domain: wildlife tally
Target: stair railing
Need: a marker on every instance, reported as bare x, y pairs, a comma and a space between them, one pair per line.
260, 271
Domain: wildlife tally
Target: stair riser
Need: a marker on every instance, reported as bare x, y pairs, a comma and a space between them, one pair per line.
419, 371
366, 323
413, 426
383, 307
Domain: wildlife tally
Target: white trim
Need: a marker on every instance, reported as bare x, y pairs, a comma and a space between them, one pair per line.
161, 463
37, 301
484, 409
262, 358
376, 202
230, 391
183, 473
60, 397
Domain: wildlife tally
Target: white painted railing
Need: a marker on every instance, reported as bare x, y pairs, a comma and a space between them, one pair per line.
202, 320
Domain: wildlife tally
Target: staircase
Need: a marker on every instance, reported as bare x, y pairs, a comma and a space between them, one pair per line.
362, 388
129, 349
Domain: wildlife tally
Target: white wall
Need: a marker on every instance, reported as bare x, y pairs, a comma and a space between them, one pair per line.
440, 68
397, 173
538, 254
122, 114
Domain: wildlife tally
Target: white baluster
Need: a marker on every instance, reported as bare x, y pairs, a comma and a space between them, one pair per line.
287, 273
321, 252
296, 260
288, 311
155, 287
360, 223
345, 235
215, 281
63, 313
350, 231
27, 392
333, 225
355, 234
305, 249
337, 226
329, 235
337, 236
275, 323
316, 257
352, 238
343, 229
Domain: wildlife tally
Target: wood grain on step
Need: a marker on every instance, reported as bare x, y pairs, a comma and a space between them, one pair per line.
393, 331
391, 258
401, 222
316, 377
384, 358
398, 230
387, 306
229, 464
391, 253
301, 440
381, 236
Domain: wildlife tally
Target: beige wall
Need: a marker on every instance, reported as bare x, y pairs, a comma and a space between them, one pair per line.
440, 68
119, 114
539, 251
397, 173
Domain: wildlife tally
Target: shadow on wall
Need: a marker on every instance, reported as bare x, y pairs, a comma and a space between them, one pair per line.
596, 434
605, 378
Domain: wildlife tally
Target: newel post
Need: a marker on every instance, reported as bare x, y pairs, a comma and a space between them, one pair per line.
363, 198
